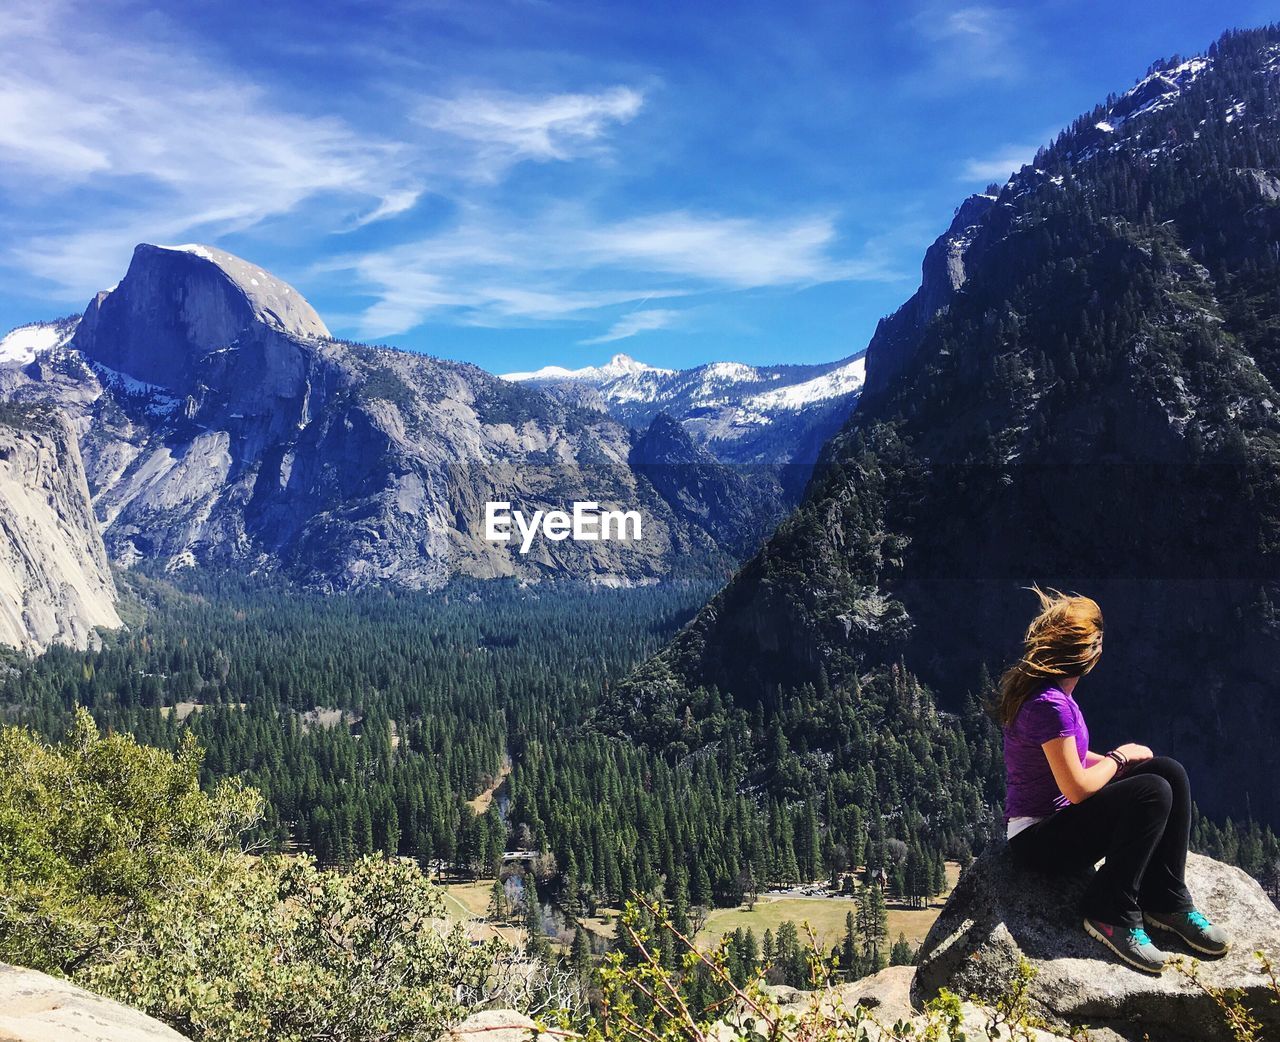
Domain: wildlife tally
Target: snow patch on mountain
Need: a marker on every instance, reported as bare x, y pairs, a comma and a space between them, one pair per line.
848, 379
158, 400
20, 346
735, 372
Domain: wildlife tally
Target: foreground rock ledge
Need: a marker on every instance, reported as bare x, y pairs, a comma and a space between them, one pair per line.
1000, 912
886, 997
38, 1008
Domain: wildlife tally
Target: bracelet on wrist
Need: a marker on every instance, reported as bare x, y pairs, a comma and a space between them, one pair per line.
1120, 759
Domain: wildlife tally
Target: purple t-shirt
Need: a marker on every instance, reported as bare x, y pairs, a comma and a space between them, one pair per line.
1030, 790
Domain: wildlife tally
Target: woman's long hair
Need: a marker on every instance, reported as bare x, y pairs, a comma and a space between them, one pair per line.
1064, 640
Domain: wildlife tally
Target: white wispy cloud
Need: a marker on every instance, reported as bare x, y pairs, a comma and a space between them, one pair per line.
392, 204
732, 251
507, 128
491, 271
172, 147
635, 322
971, 42
111, 138
176, 148
999, 165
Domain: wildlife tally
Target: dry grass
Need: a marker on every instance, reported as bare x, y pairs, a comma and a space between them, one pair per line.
184, 709
481, 803
469, 902
826, 915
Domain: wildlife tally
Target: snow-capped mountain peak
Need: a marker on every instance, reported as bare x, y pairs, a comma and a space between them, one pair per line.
619, 365
847, 379
743, 412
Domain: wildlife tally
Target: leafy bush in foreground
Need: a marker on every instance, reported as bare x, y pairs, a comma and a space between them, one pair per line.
118, 871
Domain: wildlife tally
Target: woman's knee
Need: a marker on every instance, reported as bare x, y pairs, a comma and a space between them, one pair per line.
1170, 769
1150, 790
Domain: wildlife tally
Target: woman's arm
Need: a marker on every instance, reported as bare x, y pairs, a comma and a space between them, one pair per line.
1076, 781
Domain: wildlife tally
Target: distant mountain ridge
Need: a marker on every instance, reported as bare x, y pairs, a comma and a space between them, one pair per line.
221, 424
618, 366
741, 413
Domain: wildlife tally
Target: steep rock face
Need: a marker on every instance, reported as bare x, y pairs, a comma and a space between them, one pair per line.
1095, 409
37, 1008
219, 424
943, 273
1000, 913
55, 584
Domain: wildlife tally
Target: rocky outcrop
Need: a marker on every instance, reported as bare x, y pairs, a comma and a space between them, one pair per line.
885, 1002
38, 1008
999, 913
498, 1025
942, 273
55, 583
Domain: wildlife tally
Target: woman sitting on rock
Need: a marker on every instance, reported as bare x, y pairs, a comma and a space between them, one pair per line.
1067, 807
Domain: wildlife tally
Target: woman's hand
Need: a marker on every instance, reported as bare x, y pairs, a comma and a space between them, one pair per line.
1134, 753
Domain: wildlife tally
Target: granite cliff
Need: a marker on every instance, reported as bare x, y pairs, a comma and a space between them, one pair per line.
55, 583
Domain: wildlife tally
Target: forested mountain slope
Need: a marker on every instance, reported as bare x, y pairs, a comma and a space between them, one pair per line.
1095, 409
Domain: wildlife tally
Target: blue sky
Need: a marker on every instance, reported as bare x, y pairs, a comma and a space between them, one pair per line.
531, 182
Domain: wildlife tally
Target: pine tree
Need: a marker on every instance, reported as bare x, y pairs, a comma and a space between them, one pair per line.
872, 926
498, 908
901, 954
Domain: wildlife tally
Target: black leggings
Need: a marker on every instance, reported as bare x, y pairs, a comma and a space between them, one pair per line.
1141, 823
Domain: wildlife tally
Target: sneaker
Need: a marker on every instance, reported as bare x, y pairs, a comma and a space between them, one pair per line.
1194, 928
1131, 943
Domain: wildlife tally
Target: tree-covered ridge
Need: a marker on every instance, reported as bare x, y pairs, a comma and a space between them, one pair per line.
1096, 409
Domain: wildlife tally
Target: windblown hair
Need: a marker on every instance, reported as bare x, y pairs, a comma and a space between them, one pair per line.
1064, 640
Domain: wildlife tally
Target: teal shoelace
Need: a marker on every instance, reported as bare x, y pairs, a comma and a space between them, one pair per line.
1198, 919
1140, 936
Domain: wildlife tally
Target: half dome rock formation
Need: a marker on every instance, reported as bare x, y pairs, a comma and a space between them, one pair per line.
38, 1008
55, 583
177, 305
1000, 913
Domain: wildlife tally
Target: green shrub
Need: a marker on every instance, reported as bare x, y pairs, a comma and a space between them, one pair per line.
117, 870
95, 834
